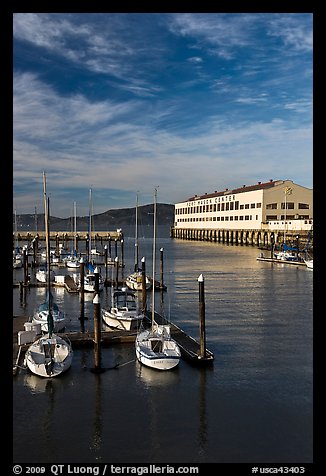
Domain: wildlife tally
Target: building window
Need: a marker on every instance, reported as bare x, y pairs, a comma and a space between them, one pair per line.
236, 205
302, 206
271, 206
241, 217
246, 206
271, 217
241, 207
289, 205
231, 205
258, 205
227, 206
252, 205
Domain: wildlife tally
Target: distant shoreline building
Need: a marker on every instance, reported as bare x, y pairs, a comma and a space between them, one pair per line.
272, 206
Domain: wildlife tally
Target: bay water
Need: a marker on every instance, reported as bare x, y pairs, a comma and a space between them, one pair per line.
254, 404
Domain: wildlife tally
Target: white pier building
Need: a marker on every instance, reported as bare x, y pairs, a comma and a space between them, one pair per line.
273, 206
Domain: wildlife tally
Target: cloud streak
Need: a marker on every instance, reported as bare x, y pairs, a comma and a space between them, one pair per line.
124, 102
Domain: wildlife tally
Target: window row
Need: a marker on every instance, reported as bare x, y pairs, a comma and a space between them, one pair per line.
230, 218
287, 206
216, 207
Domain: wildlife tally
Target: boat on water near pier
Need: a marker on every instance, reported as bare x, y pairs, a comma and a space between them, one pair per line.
124, 312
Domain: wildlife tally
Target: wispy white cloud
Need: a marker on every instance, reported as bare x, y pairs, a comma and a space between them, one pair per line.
71, 137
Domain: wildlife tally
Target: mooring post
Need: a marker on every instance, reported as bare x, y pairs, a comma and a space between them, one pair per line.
116, 263
97, 335
106, 264
122, 256
81, 289
25, 265
110, 246
202, 352
97, 280
116, 247
34, 251
143, 283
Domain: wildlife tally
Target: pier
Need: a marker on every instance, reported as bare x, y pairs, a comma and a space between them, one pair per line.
253, 237
69, 235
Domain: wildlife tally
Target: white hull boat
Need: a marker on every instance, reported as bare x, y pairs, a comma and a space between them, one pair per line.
156, 349
89, 283
42, 276
124, 313
49, 356
41, 317
134, 281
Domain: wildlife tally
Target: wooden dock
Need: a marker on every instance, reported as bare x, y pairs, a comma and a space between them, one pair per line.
190, 348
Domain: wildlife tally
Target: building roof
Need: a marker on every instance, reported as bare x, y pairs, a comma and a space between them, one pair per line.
244, 188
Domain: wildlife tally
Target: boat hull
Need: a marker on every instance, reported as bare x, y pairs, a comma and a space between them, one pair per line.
59, 320
156, 351
126, 323
49, 356
134, 282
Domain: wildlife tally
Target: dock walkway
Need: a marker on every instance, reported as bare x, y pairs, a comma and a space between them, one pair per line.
190, 348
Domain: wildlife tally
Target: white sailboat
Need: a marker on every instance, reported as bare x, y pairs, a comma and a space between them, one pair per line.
155, 347
90, 269
124, 312
50, 355
134, 280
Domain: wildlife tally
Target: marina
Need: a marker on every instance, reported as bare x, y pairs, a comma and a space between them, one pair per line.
259, 328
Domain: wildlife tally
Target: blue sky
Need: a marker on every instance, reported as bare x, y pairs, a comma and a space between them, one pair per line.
190, 102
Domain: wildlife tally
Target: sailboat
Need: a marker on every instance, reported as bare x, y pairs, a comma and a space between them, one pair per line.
50, 355
124, 312
155, 347
73, 261
46, 275
134, 280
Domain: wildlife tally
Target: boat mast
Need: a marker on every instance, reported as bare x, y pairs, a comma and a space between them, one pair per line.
154, 252
136, 236
90, 225
75, 227
48, 267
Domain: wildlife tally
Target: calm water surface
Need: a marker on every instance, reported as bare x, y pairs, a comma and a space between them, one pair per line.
253, 405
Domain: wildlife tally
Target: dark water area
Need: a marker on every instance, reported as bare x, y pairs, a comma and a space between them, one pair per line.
253, 405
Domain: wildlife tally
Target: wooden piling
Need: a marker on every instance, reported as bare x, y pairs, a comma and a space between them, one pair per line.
97, 335
202, 351
116, 264
82, 290
106, 264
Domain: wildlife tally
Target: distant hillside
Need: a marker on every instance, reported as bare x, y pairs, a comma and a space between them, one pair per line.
109, 220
